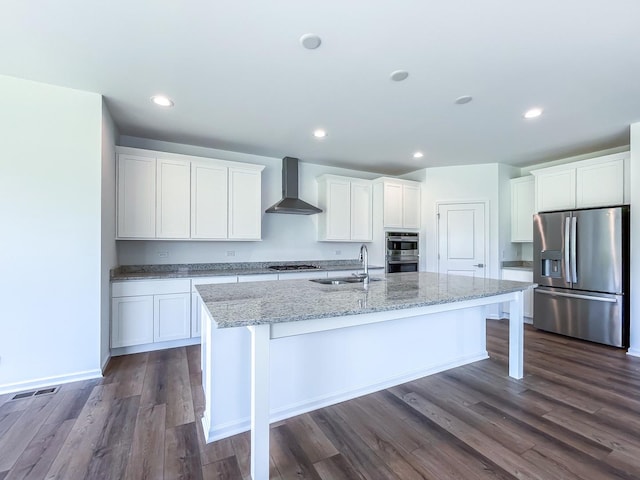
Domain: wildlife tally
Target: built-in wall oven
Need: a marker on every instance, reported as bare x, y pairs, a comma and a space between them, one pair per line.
402, 252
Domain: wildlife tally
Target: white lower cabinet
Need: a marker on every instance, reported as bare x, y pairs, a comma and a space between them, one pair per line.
171, 317
131, 321
149, 311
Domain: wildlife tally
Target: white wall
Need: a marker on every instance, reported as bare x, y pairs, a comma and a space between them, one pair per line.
50, 209
284, 237
506, 249
634, 294
108, 249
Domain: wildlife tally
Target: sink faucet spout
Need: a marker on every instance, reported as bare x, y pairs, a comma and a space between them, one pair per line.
364, 258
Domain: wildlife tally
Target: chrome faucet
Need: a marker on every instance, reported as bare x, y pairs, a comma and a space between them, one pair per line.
364, 258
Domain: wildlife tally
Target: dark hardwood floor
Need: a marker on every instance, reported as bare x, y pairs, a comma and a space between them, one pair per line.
575, 415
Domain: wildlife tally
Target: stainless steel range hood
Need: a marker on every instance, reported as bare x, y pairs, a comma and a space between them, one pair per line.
290, 203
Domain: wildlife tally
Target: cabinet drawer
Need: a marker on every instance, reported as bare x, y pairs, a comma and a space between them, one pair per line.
131, 288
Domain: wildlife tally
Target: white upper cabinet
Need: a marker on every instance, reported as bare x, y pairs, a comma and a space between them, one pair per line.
136, 196
346, 209
170, 196
522, 209
597, 182
400, 203
245, 204
209, 201
173, 202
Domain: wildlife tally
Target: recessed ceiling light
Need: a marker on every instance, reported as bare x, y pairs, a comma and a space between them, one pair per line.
162, 101
418, 155
463, 99
319, 133
399, 75
533, 113
310, 41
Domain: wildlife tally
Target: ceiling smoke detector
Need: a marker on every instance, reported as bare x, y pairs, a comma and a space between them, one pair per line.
310, 41
463, 99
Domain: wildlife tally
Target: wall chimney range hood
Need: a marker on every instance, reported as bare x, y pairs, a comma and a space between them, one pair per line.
290, 203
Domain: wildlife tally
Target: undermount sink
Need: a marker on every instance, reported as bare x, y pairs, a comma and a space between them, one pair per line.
343, 280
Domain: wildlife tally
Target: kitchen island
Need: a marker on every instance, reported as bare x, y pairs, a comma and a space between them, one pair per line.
274, 350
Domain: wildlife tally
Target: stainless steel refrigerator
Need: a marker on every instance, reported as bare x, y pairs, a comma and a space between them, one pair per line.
581, 264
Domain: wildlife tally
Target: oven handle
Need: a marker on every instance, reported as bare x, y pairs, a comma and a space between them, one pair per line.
403, 239
396, 262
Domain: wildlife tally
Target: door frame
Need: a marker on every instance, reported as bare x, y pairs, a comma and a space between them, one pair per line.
487, 231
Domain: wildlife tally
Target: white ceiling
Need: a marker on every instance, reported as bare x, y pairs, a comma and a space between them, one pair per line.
241, 80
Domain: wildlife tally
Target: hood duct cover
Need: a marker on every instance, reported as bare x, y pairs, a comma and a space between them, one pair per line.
290, 202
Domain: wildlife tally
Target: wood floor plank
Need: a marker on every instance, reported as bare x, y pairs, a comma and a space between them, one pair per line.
337, 467
182, 454
17, 438
179, 398
146, 461
35, 461
311, 439
77, 452
224, 469
288, 457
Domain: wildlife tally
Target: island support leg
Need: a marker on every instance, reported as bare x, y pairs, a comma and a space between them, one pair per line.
260, 337
516, 336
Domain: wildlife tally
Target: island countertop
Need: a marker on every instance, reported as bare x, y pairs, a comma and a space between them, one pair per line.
259, 303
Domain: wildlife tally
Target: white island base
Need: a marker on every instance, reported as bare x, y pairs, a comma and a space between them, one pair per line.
263, 373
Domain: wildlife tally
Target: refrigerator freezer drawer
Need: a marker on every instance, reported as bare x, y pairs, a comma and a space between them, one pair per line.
590, 316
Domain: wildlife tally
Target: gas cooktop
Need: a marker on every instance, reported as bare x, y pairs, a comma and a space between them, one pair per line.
293, 267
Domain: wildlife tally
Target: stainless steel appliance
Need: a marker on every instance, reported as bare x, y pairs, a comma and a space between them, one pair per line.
402, 252
581, 264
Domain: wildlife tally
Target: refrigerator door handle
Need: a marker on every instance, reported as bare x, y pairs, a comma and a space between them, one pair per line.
577, 295
567, 235
573, 259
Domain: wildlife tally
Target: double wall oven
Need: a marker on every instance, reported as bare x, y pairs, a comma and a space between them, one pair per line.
401, 252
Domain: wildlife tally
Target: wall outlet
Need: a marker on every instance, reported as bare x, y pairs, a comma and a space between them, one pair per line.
231, 253
163, 254
338, 252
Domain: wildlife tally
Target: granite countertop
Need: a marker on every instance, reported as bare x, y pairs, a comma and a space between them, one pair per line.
518, 265
256, 303
189, 270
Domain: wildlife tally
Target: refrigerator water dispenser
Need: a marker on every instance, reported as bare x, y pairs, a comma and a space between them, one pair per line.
551, 263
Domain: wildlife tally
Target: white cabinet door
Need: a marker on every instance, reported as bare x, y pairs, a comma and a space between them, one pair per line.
245, 201
600, 185
131, 321
522, 209
410, 206
392, 210
136, 196
338, 209
173, 211
361, 212
171, 317
209, 201
556, 190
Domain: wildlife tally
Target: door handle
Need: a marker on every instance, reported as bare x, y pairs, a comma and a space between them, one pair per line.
479, 265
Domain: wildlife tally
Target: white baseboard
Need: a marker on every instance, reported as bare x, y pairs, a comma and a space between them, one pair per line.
105, 361
150, 347
218, 432
634, 352
49, 381
528, 320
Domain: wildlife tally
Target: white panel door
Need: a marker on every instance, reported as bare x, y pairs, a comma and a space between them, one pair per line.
209, 201
171, 317
392, 205
461, 239
600, 185
173, 211
361, 212
131, 321
338, 212
411, 206
136, 196
245, 204
556, 190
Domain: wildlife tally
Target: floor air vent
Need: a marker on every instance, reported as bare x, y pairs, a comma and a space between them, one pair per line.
36, 393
